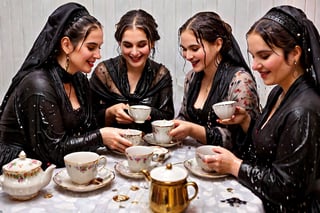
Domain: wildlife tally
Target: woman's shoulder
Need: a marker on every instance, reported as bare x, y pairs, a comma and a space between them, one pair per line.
36, 79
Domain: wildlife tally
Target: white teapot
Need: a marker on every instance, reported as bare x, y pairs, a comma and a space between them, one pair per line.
23, 177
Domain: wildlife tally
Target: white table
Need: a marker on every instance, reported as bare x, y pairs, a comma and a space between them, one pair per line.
211, 193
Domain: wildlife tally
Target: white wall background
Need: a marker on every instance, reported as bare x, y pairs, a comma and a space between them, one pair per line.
22, 20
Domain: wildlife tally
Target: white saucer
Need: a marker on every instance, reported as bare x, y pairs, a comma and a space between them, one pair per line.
63, 180
193, 167
150, 140
123, 168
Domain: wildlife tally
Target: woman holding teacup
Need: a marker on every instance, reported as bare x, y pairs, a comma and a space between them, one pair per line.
282, 167
133, 78
219, 74
47, 110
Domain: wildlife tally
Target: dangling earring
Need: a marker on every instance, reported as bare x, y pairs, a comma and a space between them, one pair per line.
217, 61
67, 63
295, 69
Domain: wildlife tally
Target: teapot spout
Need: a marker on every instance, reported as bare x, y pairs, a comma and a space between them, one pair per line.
47, 175
146, 174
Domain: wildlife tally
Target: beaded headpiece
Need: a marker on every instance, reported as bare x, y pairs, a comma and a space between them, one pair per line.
286, 21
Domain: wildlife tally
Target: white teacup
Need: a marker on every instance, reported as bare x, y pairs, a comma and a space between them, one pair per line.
139, 113
203, 152
139, 157
134, 136
82, 167
224, 109
161, 129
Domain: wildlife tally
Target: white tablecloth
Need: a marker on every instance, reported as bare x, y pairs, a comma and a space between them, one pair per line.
209, 199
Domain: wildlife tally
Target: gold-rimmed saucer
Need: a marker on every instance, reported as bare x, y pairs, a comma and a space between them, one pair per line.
150, 140
122, 167
195, 169
63, 180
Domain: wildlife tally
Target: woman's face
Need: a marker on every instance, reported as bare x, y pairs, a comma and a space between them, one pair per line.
86, 52
135, 48
270, 63
201, 58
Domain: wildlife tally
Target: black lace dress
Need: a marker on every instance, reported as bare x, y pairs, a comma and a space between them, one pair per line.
110, 86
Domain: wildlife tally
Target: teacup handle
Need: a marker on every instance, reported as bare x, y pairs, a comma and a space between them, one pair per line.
156, 157
102, 162
195, 186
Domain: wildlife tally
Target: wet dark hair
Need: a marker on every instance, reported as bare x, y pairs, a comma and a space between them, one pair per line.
141, 20
80, 29
276, 35
209, 26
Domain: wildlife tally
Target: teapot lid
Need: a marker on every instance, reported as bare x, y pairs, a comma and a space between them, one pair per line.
169, 173
22, 164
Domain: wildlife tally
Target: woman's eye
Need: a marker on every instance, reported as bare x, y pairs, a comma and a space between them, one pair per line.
265, 56
141, 45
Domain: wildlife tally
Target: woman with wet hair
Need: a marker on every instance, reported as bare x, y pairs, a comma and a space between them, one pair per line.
283, 166
47, 110
133, 77
219, 73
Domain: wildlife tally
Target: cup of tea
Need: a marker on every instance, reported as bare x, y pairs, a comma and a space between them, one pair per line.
134, 136
201, 154
160, 131
82, 167
139, 113
224, 109
139, 157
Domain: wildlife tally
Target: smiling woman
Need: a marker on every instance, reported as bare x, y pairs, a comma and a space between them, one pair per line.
47, 109
219, 73
133, 77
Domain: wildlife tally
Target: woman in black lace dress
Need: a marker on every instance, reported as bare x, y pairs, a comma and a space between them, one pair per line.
219, 74
133, 77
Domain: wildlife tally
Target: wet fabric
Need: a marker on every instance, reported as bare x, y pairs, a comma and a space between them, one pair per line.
283, 168
283, 163
36, 115
230, 83
110, 86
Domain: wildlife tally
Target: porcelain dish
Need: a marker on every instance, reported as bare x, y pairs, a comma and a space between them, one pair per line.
63, 180
150, 140
122, 167
195, 169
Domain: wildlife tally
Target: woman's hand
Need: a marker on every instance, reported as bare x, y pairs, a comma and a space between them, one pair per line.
118, 113
241, 117
224, 162
183, 129
112, 138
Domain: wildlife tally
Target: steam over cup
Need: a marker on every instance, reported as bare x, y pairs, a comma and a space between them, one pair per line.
139, 157
224, 109
201, 154
139, 113
82, 167
161, 129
